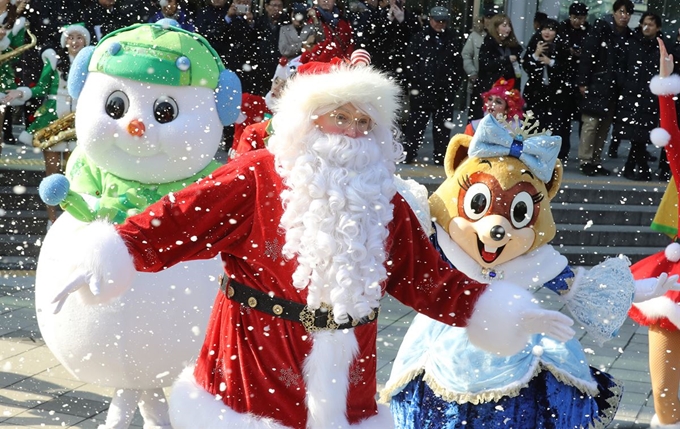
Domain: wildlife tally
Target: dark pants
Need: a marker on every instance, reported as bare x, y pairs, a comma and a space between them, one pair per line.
442, 117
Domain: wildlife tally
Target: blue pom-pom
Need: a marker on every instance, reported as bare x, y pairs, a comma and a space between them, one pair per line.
78, 72
228, 97
53, 189
167, 23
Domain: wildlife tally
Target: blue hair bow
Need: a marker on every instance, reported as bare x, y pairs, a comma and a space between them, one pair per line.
538, 153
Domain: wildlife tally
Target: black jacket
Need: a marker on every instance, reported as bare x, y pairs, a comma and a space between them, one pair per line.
602, 65
494, 63
434, 67
638, 108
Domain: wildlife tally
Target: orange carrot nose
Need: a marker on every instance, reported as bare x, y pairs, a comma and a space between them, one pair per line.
136, 128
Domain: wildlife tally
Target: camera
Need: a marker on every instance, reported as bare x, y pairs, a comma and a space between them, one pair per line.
242, 9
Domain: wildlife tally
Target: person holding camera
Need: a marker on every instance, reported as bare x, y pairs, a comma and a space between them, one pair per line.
547, 89
333, 33
297, 33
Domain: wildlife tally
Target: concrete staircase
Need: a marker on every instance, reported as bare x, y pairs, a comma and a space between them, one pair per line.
600, 220
23, 218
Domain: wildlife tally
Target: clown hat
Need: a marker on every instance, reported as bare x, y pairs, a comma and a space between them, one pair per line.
505, 88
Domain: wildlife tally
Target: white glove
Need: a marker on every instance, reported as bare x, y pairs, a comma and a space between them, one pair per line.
646, 289
102, 264
547, 322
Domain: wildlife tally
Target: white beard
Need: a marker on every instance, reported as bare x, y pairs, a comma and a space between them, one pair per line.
336, 215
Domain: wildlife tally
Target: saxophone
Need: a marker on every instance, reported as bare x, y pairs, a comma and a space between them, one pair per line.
63, 129
7, 56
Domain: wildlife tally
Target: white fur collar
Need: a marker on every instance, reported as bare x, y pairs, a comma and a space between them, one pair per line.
50, 56
532, 269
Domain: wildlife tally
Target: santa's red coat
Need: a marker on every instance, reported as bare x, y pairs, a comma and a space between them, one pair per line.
255, 363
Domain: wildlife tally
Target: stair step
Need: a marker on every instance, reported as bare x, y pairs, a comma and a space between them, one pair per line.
593, 255
609, 235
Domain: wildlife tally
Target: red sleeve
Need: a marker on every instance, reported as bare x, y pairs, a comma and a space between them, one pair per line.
203, 219
419, 278
669, 122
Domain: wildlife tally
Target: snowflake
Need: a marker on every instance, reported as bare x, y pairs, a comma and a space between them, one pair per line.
272, 249
356, 376
427, 285
290, 378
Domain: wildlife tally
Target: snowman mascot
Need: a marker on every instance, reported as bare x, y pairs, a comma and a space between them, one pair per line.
152, 103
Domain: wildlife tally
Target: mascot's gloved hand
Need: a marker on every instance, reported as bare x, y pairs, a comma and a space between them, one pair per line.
655, 287
103, 268
506, 315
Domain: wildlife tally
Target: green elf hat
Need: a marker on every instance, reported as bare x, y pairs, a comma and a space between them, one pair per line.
160, 53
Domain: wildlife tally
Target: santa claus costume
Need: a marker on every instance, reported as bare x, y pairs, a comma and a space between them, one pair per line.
662, 314
312, 232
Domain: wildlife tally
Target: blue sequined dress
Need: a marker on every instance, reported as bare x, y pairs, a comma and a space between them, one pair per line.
440, 381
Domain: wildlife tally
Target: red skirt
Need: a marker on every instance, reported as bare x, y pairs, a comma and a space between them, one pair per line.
663, 311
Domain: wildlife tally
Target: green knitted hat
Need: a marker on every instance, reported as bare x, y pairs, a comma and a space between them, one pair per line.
158, 53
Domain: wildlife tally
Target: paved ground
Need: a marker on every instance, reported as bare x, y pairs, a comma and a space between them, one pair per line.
36, 391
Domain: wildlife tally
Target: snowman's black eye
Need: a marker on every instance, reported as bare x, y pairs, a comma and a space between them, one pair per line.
165, 110
117, 104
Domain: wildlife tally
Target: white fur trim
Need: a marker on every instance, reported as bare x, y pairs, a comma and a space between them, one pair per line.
4, 43
659, 137
326, 374
50, 56
75, 28
105, 256
672, 252
192, 407
665, 86
343, 84
19, 24
26, 138
657, 308
494, 324
655, 424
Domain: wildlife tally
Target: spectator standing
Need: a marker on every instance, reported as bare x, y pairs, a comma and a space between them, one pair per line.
267, 30
547, 89
171, 9
470, 55
333, 33
638, 108
572, 31
229, 28
434, 70
601, 66
297, 33
368, 23
402, 25
499, 56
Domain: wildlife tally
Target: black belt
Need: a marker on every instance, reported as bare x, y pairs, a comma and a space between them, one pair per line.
313, 320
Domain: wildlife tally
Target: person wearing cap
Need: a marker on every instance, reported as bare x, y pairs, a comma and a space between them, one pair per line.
547, 88
470, 54
311, 232
434, 70
603, 52
297, 34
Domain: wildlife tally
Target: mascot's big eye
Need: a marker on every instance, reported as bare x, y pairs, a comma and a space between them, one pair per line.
477, 201
117, 104
521, 210
165, 110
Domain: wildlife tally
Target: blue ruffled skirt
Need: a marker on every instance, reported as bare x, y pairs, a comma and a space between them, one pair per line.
546, 403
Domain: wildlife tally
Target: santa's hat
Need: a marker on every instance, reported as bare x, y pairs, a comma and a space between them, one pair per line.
75, 28
505, 89
318, 85
286, 68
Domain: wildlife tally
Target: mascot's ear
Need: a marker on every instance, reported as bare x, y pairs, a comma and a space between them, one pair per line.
456, 153
78, 71
555, 181
228, 97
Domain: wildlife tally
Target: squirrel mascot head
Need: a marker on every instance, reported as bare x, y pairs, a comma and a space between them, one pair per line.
495, 201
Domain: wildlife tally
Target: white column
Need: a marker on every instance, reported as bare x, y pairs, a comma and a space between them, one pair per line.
521, 13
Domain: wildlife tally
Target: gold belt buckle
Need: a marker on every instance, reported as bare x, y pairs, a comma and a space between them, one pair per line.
308, 316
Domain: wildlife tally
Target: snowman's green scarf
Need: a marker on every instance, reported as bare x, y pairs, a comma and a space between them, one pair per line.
118, 198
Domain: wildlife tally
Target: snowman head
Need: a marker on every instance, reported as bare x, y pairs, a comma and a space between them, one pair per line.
152, 102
